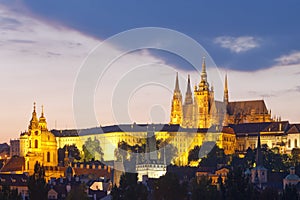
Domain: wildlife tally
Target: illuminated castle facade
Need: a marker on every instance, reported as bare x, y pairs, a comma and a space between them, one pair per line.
232, 126
203, 111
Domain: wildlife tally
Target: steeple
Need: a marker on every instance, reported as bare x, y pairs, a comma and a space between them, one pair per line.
258, 152
42, 120
177, 84
34, 120
188, 94
226, 97
176, 109
203, 73
42, 114
203, 85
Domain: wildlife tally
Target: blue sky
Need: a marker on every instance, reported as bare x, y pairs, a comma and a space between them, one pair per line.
271, 26
44, 44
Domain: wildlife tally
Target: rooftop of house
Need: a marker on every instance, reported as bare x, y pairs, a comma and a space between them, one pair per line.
13, 179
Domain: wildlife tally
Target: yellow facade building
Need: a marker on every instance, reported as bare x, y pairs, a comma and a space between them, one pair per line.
38, 144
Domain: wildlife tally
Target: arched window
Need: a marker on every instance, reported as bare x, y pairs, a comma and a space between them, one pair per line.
29, 143
296, 145
36, 144
48, 156
289, 143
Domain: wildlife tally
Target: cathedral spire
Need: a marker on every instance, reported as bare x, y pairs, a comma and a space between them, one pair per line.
177, 84
203, 73
226, 97
176, 109
188, 94
203, 85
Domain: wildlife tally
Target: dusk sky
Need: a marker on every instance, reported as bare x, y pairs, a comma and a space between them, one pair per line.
45, 43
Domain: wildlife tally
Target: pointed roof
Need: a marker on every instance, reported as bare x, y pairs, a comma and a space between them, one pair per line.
188, 94
258, 151
34, 120
188, 89
34, 117
203, 73
177, 84
226, 90
42, 117
225, 85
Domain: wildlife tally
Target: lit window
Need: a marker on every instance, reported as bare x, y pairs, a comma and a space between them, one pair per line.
36, 144
296, 145
48, 156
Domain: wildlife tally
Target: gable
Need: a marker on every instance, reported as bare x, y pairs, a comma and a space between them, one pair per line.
293, 129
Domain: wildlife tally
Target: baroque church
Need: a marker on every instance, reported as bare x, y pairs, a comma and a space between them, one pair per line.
203, 111
38, 144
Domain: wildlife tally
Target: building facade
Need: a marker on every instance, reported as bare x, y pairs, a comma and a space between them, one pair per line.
38, 144
203, 111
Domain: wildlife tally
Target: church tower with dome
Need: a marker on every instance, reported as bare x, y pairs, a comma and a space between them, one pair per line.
38, 144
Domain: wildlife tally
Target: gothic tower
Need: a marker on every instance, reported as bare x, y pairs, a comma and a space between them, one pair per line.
176, 109
202, 101
188, 106
226, 97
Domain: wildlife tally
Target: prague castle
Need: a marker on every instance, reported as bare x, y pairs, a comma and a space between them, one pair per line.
203, 110
199, 119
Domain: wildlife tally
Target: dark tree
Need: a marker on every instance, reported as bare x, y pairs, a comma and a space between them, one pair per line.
203, 189
269, 193
7, 194
168, 187
72, 150
272, 161
238, 186
77, 193
295, 156
214, 157
194, 154
37, 184
129, 188
290, 193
